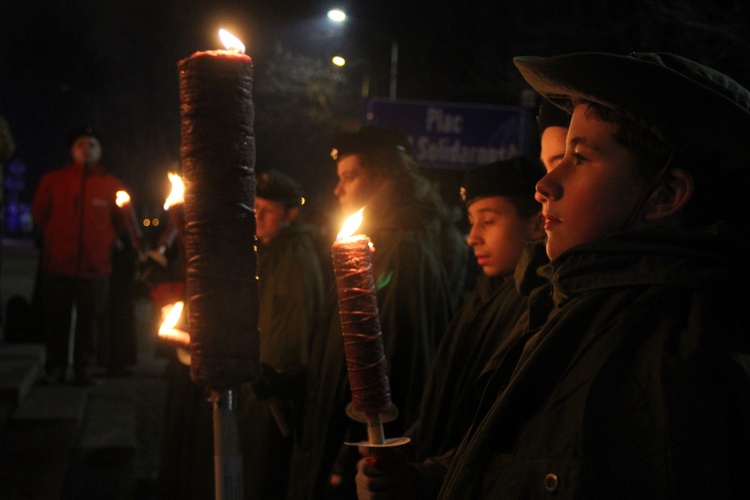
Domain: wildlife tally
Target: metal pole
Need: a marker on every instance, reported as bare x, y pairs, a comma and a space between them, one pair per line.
227, 455
394, 68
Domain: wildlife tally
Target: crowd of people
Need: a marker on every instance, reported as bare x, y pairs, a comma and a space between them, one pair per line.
600, 353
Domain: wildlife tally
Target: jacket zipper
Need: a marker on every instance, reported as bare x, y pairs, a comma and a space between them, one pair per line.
81, 213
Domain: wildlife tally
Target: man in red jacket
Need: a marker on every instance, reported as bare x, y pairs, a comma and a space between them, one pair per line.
75, 211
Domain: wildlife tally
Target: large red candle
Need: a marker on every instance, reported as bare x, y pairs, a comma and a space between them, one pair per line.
218, 157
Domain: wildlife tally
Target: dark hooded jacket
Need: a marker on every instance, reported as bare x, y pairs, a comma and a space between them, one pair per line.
290, 283
485, 320
629, 380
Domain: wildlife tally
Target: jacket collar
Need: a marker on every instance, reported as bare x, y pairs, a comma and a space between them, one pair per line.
657, 255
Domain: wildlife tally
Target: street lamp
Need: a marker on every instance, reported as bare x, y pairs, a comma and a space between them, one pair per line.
340, 61
339, 16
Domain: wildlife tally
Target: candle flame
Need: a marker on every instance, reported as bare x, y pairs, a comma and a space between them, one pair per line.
176, 196
350, 225
171, 315
122, 198
231, 42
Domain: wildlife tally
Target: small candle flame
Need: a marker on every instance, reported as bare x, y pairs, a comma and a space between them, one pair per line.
122, 197
171, 315
167, 330
350, 225
231, 42
176, 196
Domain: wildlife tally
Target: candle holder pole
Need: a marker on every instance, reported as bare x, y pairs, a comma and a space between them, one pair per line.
375, 432
227, 456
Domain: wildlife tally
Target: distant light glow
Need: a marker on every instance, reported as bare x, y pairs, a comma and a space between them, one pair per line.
122, 197
231, 42
337, 15
146, 222
155, 222
338, 61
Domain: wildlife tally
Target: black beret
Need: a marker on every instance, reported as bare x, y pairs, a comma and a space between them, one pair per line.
514, 178
82, 131
277, 186
368, 139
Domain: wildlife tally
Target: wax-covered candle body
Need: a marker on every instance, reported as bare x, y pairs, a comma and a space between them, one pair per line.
218, 157
360, 325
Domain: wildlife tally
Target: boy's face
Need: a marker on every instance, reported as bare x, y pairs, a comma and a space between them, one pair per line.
553, 146
498, 234
270, 218
356, 185
593, 190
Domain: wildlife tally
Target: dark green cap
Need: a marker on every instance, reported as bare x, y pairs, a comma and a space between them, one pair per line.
276, 186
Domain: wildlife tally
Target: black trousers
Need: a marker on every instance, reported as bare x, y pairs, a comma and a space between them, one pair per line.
58, 295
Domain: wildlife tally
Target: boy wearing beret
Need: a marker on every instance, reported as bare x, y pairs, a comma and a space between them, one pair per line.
376, 172
506, 232
290, 283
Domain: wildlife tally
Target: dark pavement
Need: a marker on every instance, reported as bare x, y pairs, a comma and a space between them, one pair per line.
67, 442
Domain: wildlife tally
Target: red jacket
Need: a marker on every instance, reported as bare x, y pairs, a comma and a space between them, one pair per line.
75, 210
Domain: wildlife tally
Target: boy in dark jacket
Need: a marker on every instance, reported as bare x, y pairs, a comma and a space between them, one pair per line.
506, 228
629, 377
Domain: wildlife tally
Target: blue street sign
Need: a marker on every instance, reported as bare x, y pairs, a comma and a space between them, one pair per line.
455, 136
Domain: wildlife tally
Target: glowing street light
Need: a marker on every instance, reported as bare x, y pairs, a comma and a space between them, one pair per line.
337, 15
338, 61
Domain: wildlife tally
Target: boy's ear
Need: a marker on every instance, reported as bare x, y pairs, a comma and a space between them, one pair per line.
670, 198
290, 214
537, 228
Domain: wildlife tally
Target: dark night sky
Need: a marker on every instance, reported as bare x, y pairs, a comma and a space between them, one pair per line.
113, 64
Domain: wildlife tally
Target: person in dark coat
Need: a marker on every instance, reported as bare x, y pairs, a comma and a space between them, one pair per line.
506, 228
291, 291
629, 377
413, 295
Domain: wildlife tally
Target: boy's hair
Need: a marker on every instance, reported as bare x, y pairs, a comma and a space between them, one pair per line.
396, 165
653, 155
650, 152
385, 152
